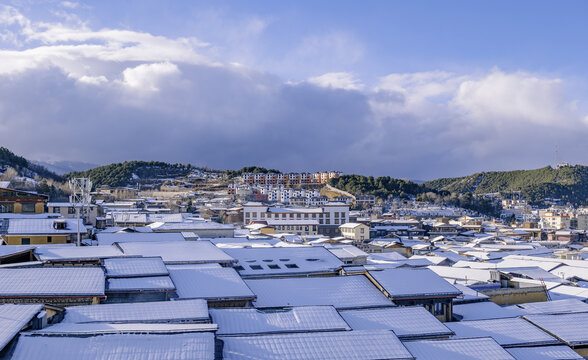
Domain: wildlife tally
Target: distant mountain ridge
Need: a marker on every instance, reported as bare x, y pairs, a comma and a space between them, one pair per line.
568, 183
65, 167
24, 167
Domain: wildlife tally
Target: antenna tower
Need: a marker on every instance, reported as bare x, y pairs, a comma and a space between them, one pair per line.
80, 197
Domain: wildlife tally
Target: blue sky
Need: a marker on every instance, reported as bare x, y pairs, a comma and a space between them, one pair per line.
417, 89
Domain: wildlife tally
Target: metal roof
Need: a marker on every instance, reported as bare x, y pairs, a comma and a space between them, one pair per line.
157, 283
559, 352
342, 292
132, 267
570, 328
376, 344
143, 312
413, 283
13, 317
461, 349
51, 281
117, 347
206, 282
284, 261
507, 332
296, 319
407, 322
178, 252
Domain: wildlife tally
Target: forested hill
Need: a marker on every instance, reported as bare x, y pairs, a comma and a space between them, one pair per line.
382, 187
569, 183
24, 167
130, 172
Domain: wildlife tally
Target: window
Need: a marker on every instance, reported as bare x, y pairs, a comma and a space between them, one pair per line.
56, 210
25, 241
298, 216
28, 208
292, 266
273, 266
6, 208
438, 309
49, 239
362, 230
255, 267
71, 210
239, 268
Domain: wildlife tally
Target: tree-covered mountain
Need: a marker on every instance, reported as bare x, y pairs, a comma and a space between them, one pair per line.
381, 187
24, 167
130, 172
568, 183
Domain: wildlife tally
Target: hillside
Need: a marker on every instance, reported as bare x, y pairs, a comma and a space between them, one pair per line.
569, 183
132, 172
381, 187
24, 167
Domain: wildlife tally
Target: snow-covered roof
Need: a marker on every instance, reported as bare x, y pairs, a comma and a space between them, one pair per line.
70, 252
295, 319
151, 283
132, 267
143, 312
375, 344
413, 283
14, 317
178, 252
211, 283
557, 352
110, 238
254, 262
32, 226
342, 292
52, 281
506, 332
468, 295
190, 225
85, 329
484, 310
570, 328
410, 322
562, 306
117, 347
14, 249
458, 349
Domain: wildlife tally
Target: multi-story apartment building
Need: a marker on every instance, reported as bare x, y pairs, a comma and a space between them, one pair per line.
329, 216
290, 178
556, 221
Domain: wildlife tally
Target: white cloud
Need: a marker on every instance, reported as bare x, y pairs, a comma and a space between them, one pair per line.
501, 97
70, 4
337, 80
146, 77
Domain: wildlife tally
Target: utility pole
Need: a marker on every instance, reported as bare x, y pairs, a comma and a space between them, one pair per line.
80, 197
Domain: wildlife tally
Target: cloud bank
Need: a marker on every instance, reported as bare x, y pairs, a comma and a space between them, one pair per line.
68, 92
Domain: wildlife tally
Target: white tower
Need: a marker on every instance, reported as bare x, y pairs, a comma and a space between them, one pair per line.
80, 197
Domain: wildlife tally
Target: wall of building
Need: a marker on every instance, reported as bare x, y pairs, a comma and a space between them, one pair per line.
36, 239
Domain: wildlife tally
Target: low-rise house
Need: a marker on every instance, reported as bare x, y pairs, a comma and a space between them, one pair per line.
40, 231
68, 210
359, 233
21, 202
417, 287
